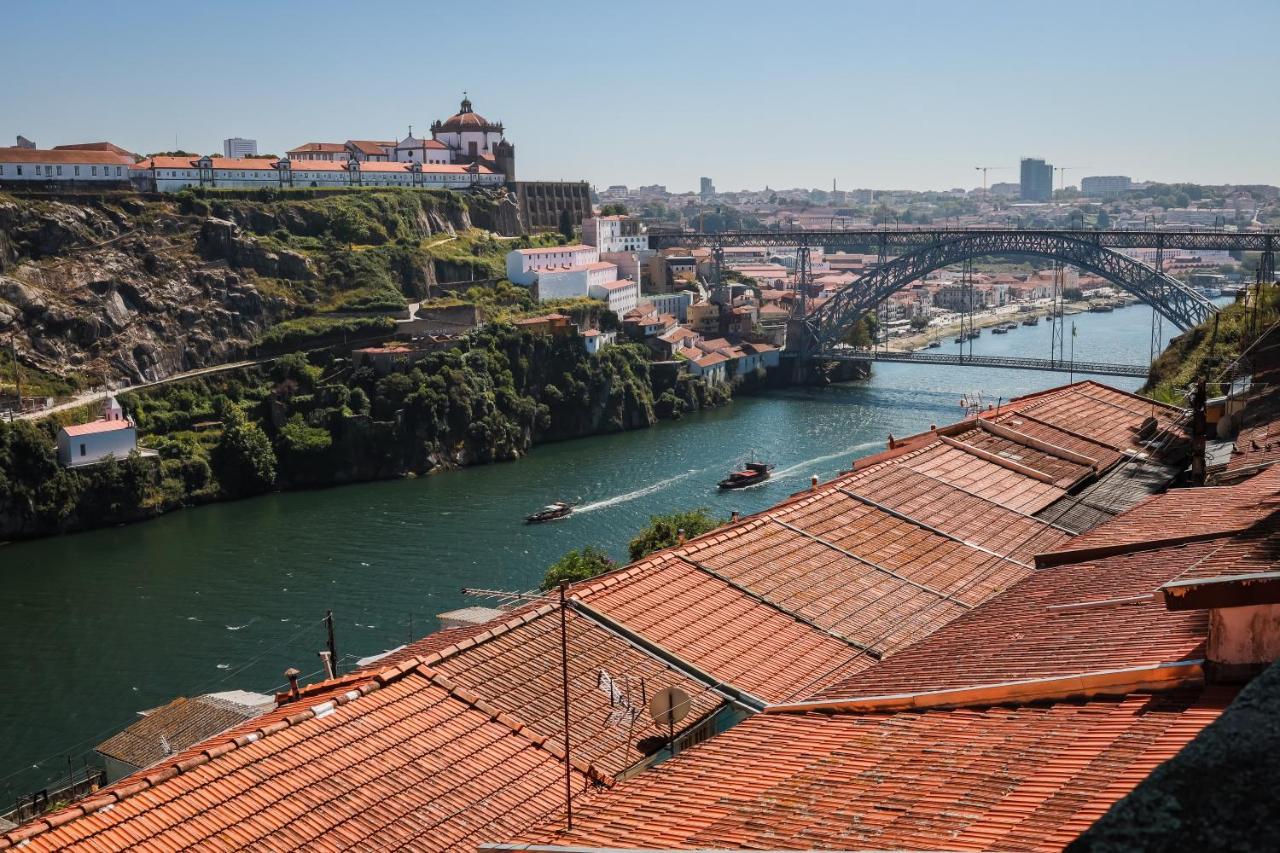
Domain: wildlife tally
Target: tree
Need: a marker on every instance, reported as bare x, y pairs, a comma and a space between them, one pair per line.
243, 459
919, 322
617, 209
566, 224
663, 531
577, 565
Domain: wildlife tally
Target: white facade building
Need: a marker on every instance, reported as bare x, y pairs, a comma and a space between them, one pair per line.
29, 165
1101, 186
622, 294
615, 234
595, 340
238, 146
112, 435
574, 282
169, 174
523, 265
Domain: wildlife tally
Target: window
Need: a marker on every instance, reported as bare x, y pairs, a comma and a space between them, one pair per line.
93, 170
77, 168
19, 170
59, 170
83, 451
118, 168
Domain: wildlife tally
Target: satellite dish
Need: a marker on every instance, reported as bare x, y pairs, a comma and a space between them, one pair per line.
669, 706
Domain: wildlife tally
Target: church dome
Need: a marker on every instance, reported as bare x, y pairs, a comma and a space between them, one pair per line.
467, 119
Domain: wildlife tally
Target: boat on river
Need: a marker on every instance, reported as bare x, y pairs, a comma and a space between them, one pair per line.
550, 512
1000, 330
1031, 321
935, 343
751, 473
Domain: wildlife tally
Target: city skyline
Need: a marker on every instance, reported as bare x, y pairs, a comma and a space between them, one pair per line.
913, 97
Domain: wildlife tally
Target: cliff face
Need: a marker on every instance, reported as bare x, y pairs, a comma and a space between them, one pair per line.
126, 288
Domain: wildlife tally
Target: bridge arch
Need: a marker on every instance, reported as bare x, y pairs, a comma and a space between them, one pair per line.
1182, 305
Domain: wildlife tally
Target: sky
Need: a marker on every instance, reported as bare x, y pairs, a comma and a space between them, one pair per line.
910, 94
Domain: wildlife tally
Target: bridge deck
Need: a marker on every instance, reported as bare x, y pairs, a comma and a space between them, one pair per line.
1100, 368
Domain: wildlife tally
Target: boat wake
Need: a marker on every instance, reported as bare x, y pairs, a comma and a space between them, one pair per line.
809, 463
638, 493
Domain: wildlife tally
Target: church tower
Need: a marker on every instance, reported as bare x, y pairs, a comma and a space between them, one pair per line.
504, 156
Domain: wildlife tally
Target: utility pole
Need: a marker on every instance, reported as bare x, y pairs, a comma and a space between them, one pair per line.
564, 677
333, 650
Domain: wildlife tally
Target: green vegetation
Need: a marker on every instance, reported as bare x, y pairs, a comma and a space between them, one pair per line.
1210, 347
577, 565
318, 329
311, 420
663, 531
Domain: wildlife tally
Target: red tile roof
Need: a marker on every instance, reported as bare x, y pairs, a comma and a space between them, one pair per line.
319, 148
98, 426
737, 638
611, 681
96, 146
986, 479
1026, 778
73, 156
1181, 515
407, 759
1105, 616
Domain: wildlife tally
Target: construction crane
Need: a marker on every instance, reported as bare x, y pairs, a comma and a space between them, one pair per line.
1062, 174
984, 170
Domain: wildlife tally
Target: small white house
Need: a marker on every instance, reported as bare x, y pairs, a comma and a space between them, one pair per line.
595, 340
111, 435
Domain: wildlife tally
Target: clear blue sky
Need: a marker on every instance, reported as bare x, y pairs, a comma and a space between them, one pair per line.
904, 94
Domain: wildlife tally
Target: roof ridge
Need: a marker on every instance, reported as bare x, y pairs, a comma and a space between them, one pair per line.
1102, 682
522, 618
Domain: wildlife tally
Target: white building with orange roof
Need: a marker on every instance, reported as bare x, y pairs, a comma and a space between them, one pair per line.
112, 435
523, 265
65, 165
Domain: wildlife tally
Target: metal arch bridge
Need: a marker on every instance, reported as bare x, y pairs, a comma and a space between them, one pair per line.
920, 251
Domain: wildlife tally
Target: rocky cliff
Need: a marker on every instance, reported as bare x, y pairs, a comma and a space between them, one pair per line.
129, 288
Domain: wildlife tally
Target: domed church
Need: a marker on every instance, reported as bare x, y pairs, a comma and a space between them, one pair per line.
465, 137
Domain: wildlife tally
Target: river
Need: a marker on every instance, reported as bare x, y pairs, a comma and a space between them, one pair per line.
99, 625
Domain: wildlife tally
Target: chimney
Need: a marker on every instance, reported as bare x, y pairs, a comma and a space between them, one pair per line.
813, 482
733, 517
1244, 620
680, 536
292, 674
891, 441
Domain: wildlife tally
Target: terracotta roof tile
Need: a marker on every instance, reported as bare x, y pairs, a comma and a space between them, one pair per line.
734, 637
1027, 778
410, 759
1016, 636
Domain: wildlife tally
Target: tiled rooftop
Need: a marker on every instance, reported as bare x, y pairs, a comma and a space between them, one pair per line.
413, 762
739, 639
1017, 636
1025, 778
